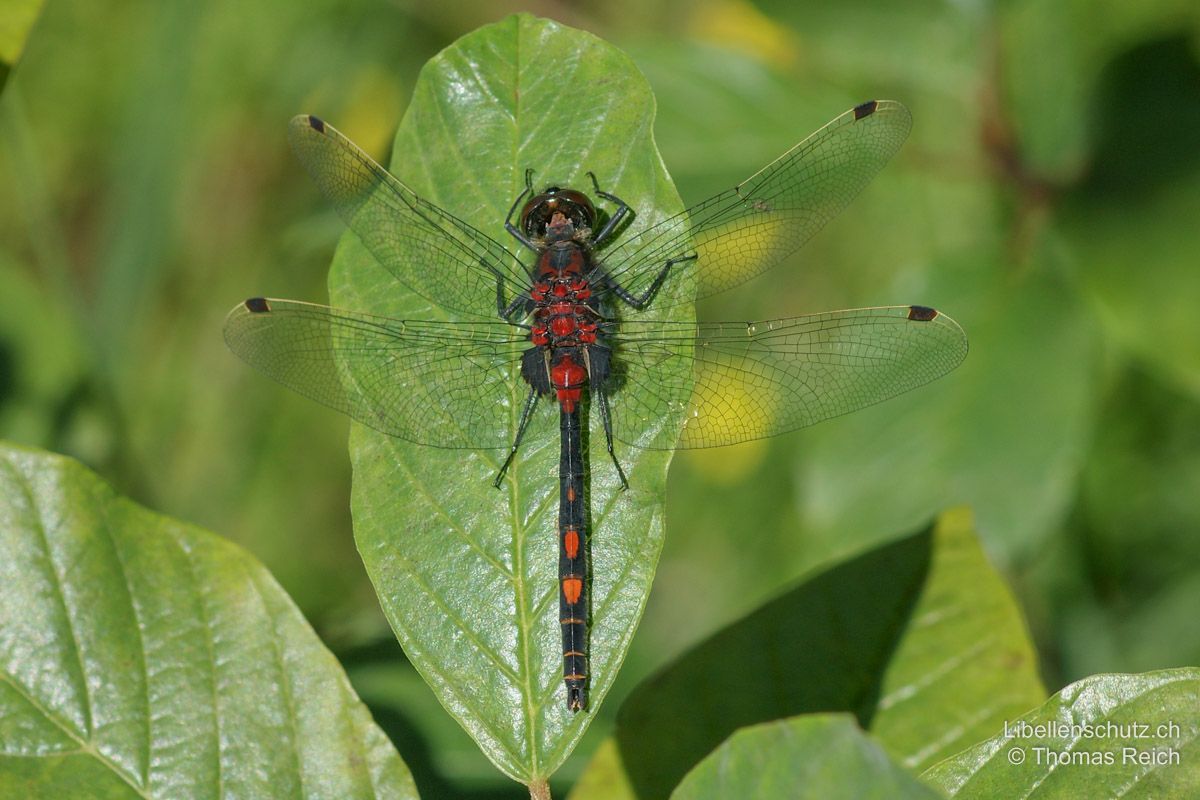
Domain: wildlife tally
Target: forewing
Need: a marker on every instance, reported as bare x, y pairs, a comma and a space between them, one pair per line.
746, 230
429, 250
440, 384
753, 380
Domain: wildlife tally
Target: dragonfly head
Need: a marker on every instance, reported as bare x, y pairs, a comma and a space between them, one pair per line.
557, 214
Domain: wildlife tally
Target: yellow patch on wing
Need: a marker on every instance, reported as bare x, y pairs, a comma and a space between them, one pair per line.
729, 403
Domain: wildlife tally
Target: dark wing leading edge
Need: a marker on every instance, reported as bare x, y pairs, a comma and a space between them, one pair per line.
432, 252
439, 384
750, 228
753, 380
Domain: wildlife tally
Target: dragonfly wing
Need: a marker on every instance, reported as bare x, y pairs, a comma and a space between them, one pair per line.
440, 384
750, 228
435, 254
753, 380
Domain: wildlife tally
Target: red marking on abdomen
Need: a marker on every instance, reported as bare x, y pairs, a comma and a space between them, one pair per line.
562, 326
567, 378
572, 589
566, 374
571, 494
567, 398
571, 544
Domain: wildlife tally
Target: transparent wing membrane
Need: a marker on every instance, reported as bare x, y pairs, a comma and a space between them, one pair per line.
750, 228
760, 379
440, 384
429, 250
443, 384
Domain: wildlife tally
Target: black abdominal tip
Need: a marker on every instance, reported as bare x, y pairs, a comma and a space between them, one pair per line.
865, 109
257, 305
317, 123
921, 313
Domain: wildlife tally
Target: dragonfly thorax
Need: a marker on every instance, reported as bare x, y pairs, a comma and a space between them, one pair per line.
559, 229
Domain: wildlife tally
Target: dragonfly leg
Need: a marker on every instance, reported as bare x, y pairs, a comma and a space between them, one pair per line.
508, 225
615, 219
640, 301
526, 414
505, 310
517, 304
606, 418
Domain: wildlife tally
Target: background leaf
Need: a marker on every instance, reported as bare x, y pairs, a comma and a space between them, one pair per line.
143, 657
920, 639
1111, 705
467, 575
16, 20
824, 757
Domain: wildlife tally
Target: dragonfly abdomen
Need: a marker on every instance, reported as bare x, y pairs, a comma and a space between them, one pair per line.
572, 560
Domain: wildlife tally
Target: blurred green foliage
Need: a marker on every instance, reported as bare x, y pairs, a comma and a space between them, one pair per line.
1047, 200
16, 20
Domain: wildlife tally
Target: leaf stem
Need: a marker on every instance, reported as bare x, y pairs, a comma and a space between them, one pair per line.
540, 790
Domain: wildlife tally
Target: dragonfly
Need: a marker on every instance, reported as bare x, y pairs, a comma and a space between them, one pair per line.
556, 322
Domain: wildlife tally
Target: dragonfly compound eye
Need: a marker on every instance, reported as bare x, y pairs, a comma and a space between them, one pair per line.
540, 210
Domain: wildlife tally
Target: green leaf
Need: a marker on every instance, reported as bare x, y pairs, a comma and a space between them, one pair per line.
823, 756
1091, 743
467, 575
605, 776
920, 639
965, 660
142, 657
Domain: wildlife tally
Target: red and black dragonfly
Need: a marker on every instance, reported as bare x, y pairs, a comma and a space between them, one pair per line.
442, 383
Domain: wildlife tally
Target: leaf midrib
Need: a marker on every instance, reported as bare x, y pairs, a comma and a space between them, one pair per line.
520, 590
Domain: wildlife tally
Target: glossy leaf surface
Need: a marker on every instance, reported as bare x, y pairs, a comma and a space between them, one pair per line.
1129, 736
142, 657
